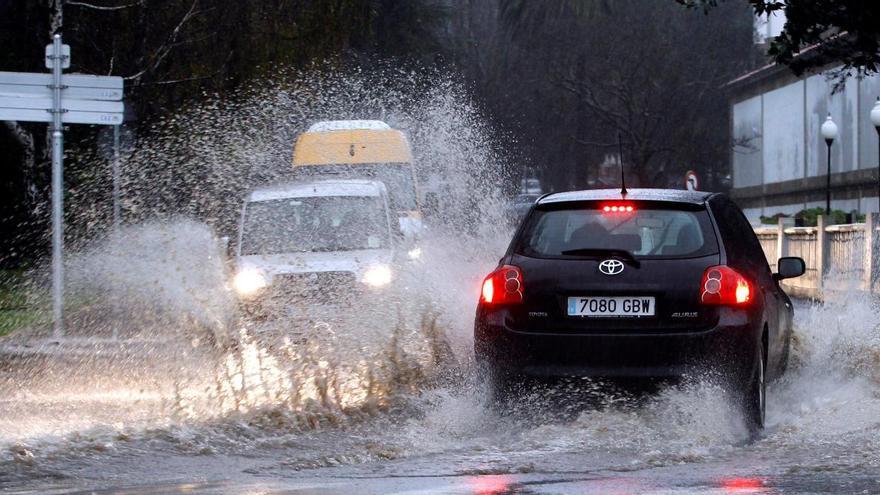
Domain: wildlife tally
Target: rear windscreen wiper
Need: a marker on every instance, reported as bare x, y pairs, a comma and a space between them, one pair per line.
597, 253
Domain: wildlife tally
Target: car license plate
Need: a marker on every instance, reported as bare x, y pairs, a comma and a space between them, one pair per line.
611, 306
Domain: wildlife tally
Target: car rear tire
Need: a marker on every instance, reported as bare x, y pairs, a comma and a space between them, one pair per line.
499, 385
754, 395
786, 356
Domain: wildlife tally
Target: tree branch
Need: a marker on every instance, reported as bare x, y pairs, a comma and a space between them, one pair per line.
104, 7
168, 46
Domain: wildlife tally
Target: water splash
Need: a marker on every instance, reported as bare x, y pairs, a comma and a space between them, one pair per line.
184, 361
829, 402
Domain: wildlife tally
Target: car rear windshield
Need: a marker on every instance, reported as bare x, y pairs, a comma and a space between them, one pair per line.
642, 230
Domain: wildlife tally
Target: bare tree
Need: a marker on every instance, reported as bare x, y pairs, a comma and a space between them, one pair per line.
29, 168
582, 72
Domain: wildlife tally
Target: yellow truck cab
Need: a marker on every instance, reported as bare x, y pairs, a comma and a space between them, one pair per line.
363, 149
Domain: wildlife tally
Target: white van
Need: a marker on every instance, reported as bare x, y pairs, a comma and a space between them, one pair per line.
326, 240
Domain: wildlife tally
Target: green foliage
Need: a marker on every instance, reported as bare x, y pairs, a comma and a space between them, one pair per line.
16, 308
821, 32
16, 319
772, 220
808, 217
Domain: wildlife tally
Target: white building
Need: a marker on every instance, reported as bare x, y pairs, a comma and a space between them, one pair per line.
778, 156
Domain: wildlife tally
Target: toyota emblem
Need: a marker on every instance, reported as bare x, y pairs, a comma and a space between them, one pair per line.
611, 267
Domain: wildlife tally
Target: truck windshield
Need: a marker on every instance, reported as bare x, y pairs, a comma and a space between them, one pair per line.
314, 224
642, 232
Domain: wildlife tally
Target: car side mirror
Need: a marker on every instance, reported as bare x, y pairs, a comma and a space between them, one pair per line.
790, 267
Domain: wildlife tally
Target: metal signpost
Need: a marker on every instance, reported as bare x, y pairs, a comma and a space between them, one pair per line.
60, 99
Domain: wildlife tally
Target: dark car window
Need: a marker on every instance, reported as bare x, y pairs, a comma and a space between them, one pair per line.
741, 245
649, 231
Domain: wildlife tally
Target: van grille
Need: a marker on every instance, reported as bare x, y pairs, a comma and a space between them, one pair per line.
314, 284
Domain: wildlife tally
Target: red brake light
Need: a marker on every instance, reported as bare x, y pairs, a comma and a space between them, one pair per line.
618, 208
503, 286
488, 290
723, 285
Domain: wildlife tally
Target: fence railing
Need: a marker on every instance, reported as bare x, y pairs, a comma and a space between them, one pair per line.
838, 257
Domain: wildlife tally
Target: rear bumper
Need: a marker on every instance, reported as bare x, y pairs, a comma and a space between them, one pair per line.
728, 347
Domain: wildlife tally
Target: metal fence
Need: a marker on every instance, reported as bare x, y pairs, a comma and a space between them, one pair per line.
838, 257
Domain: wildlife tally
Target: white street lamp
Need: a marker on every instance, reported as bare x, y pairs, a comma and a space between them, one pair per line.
829, 132
875, 119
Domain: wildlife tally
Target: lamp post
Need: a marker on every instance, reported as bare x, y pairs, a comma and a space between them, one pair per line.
875, 119
829, 132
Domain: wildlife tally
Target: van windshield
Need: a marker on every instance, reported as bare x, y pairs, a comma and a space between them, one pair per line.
644, 232
314, 224
397, 177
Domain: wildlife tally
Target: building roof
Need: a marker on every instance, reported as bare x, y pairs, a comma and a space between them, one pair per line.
342, 187
775, 70
671, 195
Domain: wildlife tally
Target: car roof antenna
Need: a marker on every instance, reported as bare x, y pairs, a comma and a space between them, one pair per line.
622, 178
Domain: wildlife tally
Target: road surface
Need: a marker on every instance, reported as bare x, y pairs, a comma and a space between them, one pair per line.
425, 428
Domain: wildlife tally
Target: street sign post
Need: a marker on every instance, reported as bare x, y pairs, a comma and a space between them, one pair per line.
60, 99
58, 60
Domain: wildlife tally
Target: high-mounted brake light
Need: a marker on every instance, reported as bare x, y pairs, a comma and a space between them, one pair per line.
503, 286
618, 208
723, 285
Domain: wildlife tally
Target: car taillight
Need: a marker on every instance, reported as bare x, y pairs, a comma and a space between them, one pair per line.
723, 285
503, 286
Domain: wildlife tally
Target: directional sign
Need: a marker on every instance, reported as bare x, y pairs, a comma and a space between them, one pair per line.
67, 80
28, 91
65, 56
39, 103
70, 117
85, 99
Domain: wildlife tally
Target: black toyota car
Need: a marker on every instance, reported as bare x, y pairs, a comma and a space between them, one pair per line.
647, 284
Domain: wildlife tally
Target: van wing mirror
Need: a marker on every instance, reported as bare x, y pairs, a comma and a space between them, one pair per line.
790, 267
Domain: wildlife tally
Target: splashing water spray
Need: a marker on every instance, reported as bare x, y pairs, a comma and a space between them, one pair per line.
153, 321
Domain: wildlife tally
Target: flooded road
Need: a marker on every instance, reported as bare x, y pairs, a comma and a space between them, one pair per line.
433, 433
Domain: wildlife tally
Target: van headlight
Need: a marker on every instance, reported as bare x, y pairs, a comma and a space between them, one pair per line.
377, 276
249, 281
